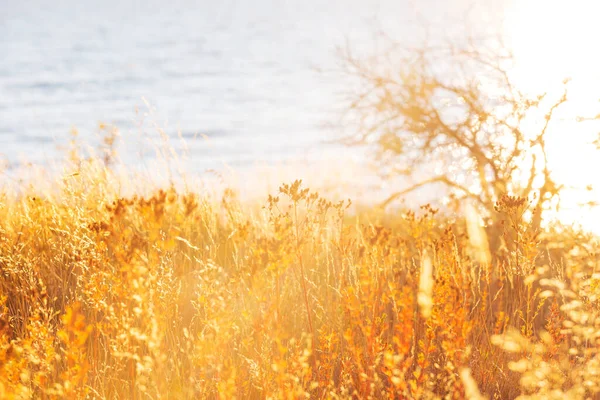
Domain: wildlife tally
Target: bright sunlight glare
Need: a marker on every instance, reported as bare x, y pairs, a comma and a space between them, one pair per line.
553, 40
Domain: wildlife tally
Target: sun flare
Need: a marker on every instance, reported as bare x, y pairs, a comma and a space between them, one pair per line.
553, 41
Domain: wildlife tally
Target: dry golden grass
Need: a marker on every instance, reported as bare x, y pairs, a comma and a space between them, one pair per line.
177, 295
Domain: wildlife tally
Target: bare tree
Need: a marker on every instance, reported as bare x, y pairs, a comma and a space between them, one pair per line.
456, 112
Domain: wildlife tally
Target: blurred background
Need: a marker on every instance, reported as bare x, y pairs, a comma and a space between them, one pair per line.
249, 85
240, 81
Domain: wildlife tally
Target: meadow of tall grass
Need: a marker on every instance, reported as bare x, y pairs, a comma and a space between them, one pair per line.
180, 294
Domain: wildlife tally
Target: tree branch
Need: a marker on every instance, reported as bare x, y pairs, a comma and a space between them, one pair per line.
438, 179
